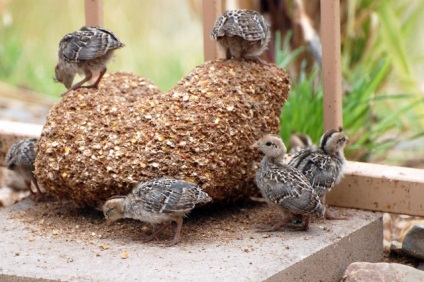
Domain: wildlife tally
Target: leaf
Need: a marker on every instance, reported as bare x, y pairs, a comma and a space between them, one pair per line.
124, 255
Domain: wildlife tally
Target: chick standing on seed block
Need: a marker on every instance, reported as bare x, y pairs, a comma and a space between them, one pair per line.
20, 159
83, 52
242, 34
157, 201
285, 186
323, 166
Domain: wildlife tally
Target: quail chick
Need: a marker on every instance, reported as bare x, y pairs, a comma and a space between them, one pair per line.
157, 201
285, 186
20, 159
83, 52
242, 34
299, 142
323, 166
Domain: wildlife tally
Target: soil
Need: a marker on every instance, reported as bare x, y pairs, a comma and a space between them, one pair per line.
207, 224
214, 223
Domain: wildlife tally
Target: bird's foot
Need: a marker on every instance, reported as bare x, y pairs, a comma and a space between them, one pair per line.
64, 93
146, 239
298, 227
168, 243
265, 229
38, 197
94, 85
328, 215
258, 60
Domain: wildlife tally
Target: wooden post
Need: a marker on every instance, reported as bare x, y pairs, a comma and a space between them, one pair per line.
331, 64
211, 10
94, 12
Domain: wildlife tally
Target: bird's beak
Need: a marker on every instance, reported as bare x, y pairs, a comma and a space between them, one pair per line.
254, 145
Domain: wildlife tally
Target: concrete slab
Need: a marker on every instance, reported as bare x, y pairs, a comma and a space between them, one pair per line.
321, 254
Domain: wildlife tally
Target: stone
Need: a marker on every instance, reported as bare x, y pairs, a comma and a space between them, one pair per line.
98, 143
381, 272
396, 248
413, 243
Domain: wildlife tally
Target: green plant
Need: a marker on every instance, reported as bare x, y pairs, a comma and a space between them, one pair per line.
371, 127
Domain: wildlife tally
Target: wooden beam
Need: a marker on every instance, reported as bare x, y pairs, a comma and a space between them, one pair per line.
94, 12
211, 9
380, 188
331, 64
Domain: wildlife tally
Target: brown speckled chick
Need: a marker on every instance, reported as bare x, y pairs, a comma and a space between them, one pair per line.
299, 141
20, 159
323, 166
157, 201
83, 52
242, 34
285, 186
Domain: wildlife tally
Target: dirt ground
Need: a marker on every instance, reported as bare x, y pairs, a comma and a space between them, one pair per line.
222, 223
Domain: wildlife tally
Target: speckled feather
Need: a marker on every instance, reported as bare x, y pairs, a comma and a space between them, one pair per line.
287, 187
88, 43
22, 154
165, 196
248, 24
21, 159
242, 34
322, 168
281, 184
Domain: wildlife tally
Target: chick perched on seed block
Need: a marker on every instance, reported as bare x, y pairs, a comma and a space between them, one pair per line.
20, 159
84, 52
242, 34
285, 186
157, 201
323, 166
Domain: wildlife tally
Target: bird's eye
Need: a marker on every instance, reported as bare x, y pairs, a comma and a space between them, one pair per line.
108, 211
268, 143
341, 140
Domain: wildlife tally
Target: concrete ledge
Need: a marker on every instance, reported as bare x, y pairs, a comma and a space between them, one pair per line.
322, 253
329, 263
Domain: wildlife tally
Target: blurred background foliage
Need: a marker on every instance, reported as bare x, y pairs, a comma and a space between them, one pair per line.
163, 39
382, 58
382, 63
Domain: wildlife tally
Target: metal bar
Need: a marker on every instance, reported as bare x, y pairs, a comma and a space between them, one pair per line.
211, 9
94, 12
380, 188
331, 63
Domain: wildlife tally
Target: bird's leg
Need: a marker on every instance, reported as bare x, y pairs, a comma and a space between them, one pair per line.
330, 216
177, 235
36, 186
304, 226
88, 76
257, 60
157, 232
228, 54
96, 84
275, 227
28, 184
